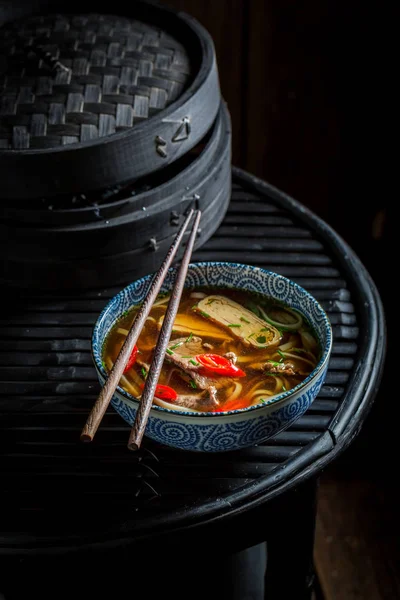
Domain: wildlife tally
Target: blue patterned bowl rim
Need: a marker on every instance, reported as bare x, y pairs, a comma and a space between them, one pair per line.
97, 340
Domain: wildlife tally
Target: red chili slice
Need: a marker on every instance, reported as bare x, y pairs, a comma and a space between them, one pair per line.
164, 392
132, 359
215, 364
233, 405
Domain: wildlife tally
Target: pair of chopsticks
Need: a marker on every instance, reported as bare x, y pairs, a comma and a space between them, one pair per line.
112, 381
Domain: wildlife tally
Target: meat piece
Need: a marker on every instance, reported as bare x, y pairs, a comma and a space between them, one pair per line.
183, 356
239, 321
202, 401
276, 368
205, 400
231, 356
283, 368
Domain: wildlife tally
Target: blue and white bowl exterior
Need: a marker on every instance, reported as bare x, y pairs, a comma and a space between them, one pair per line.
210, 432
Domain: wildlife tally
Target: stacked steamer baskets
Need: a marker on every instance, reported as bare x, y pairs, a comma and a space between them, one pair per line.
111, 128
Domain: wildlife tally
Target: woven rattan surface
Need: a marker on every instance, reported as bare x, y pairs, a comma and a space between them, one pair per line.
66, 79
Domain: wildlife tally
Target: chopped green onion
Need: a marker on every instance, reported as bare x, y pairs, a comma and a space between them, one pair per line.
169, 351
250, 336
176, 345
193, 362
189, 338
192, 384
244, 320
234, 325
211, 300
204, 314
284, 387
270, 374
187, 356
103, 364
274, 363
124, 314
144, 372
194, 306
280, 353
261, 339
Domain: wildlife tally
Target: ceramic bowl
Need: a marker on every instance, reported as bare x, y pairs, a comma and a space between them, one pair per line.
230, 430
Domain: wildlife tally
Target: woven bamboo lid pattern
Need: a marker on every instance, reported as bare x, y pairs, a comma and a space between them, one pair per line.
73, 78
90, 100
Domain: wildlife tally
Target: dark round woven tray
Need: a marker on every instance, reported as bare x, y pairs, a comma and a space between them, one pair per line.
126, 237
62, 498
90, 100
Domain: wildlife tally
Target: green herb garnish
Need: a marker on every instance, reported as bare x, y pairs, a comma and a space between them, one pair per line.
176, 345
204, 314
189, 338
244, 320
193, 362
234, 325
274, 363
250, 336
261, 339
284, 388
144, 372
103, 364
169, 351
192, 384
125, 313
211, 301
280, 354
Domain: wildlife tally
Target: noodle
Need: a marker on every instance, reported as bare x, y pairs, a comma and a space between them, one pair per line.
162, 300
298, 357
129, 386
250, 358
245, 372
287, 346
278, 384
173, 406
237, 391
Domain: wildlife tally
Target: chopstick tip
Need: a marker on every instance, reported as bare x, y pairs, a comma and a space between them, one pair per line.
133, 446
85, 437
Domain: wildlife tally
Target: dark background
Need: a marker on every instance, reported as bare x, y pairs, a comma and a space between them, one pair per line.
310, 89
310, 86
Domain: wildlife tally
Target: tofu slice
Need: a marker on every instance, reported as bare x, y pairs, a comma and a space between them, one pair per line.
239, 321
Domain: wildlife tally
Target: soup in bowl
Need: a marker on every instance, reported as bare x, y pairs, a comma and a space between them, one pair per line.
247, 355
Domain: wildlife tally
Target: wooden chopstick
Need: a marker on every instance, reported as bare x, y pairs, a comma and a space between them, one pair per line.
142, 413
99, 408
